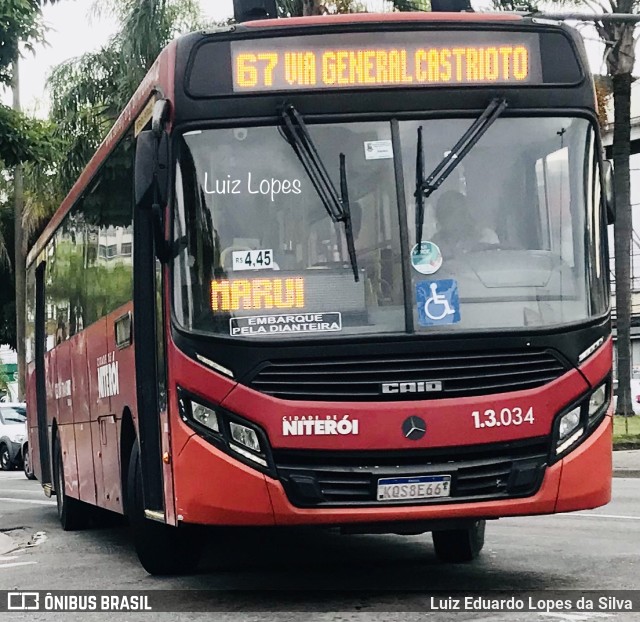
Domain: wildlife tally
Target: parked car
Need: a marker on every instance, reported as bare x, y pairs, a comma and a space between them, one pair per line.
13, 432
635, 396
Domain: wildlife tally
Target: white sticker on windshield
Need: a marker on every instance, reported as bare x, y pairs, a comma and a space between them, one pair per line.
326, 322
252, 260
378, 149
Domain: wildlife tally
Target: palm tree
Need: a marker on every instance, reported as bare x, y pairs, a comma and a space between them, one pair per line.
620, 59
618, 37
88, 92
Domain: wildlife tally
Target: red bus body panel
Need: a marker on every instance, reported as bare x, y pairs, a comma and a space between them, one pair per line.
82, 418
204, 485
386, 18
90, 431
228, 492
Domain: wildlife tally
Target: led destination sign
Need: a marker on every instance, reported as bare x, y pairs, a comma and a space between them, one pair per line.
360, 60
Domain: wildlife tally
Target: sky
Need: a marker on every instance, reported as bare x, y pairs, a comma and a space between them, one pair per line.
73, 29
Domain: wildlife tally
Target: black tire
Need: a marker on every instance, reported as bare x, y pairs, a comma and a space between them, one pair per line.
26, 463
459, 545
73, 514
162, 549
5, 458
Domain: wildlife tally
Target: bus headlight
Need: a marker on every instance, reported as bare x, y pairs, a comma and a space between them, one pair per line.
205, 416
569, 429
227, 431
597, 400
574, 425
245, 436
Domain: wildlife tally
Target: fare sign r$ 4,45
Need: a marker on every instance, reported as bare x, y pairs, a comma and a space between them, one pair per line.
108, 376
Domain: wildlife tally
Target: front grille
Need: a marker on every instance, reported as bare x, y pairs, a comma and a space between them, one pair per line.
324, 479
361, 378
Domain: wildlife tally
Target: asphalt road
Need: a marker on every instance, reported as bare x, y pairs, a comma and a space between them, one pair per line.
360, 577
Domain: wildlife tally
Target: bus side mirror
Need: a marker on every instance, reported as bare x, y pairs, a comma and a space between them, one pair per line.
608, 191
152, 154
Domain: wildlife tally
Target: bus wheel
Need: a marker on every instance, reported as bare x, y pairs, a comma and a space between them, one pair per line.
459, 545
73, 514
162, 549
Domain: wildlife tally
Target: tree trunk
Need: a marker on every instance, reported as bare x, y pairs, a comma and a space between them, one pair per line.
19, 258
623, 229
311, 7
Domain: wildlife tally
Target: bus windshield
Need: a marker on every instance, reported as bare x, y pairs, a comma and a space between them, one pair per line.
512, 238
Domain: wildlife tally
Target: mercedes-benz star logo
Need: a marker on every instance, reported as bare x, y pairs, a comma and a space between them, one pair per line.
414, 428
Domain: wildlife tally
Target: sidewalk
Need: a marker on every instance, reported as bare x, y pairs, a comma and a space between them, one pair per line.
626, 463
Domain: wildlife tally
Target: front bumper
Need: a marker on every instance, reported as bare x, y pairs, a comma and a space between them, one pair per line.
236, 494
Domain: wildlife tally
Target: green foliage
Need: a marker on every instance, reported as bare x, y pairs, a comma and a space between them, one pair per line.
20, 22
23, 138
295, 8
90, 91
4, 380
290, 8
147, 26
42, 196
514, 5
7, 290
411, 5
85, 102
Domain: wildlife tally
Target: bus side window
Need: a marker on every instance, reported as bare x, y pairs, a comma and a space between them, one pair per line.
108, 210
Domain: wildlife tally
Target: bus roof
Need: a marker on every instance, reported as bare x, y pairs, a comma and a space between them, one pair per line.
376, 18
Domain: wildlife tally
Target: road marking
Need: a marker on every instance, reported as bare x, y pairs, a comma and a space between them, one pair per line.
14, 564
601, 516
585, 616
31, 501
8, 558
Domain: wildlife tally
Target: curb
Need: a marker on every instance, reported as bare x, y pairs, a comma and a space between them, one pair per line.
6, 544
626, 473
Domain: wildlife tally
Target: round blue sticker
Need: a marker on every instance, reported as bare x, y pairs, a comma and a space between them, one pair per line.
426, 258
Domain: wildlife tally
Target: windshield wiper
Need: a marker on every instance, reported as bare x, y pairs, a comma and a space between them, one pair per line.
424, 189
338, 207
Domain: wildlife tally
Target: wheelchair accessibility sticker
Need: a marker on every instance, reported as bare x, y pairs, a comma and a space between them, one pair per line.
438, 302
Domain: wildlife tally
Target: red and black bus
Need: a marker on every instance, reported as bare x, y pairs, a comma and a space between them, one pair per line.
341, 271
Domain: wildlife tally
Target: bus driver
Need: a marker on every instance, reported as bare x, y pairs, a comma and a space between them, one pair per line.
458, 230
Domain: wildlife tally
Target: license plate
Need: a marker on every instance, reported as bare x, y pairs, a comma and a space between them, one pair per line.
419, 487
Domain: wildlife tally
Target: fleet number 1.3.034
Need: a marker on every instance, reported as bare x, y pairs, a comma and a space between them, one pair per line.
504, 417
